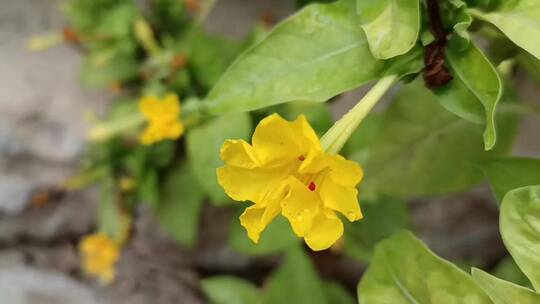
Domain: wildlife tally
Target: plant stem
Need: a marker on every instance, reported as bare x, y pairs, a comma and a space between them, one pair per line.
336, 137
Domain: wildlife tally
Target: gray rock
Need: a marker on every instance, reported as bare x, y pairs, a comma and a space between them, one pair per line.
42, 128
20, 284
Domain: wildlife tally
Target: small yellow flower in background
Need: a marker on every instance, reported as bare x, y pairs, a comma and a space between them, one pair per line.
163, 116
286, 171
99, 255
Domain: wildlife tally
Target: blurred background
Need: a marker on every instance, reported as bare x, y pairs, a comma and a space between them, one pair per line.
43, 110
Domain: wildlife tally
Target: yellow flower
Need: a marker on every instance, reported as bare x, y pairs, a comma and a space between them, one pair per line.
163, 118
286, 171
99, 254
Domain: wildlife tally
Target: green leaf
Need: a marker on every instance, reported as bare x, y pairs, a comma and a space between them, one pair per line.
209, 56
277, 237
520, 229
381, 220
230, 290
361, 140
505, 174
180, 205
318, 114
314, 55
508, 270
519, 20
147, 187
404, 270
503, 292
104, 66
109, 214
530, 63
295, 281
336, 294
204, 143
391, 26
423, 150
476, 89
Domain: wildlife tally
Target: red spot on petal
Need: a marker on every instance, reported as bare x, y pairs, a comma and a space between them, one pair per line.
301, 158
312, 186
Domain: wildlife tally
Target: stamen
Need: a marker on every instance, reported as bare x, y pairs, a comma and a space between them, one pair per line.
301, 158
312, 186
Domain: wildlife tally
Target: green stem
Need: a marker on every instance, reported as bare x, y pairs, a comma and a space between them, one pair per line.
104, 131
145, 35
336, 137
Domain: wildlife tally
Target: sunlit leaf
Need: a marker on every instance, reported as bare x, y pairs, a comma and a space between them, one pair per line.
314, 55
404, 271
503, 292
519, 20
520, 229
391, 26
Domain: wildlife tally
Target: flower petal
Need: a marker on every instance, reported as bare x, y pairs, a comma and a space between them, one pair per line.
175, 130
239, 153
273, 140
243, 184
255, 219
343, 171
341, 198
325, 231
314, 162
149, 106
300, 206
170, 106
306, 133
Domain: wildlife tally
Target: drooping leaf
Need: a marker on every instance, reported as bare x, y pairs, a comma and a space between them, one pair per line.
381, 220
404, 270
230, 290
277, 237
203, 146
476, 89
295, 281
519, 20
505, 174
520, 229
422, 150
180, 204
314, 55
503, 292
391, 26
